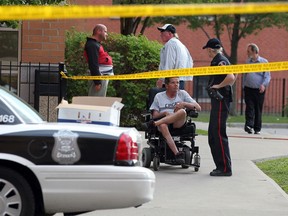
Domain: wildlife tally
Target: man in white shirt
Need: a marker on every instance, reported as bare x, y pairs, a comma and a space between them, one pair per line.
174, 55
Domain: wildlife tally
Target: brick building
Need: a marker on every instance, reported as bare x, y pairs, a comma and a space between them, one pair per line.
44, 41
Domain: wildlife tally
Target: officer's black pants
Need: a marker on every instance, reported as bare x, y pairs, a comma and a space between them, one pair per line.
254, 101
217, 136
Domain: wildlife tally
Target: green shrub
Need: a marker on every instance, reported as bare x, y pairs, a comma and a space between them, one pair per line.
75, 63
286, 108
130, 55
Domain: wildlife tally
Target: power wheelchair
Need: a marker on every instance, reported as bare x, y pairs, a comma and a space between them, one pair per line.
159, 151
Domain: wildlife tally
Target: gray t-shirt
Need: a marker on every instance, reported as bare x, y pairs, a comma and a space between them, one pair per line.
163, 103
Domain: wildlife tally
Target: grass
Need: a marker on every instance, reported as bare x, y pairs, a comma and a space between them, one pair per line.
272, 119
277, 169
204, 117
201, 132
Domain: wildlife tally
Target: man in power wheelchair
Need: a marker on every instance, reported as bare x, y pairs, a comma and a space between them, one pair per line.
170, 126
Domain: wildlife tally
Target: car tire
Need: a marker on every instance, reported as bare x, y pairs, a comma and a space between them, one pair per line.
146, 157
20, 192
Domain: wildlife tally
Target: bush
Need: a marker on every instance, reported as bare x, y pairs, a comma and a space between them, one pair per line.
130, 55
286, 108
75, 63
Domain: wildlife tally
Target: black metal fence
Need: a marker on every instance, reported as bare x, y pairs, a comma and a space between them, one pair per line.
41, 86
275, 103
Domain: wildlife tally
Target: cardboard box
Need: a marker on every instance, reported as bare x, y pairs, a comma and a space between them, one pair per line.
91, 110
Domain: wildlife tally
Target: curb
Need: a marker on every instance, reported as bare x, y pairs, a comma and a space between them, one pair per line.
264, 125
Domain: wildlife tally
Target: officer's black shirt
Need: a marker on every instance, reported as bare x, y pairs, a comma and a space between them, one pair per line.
220, 60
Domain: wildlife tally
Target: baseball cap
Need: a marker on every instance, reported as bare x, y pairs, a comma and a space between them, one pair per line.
213, 43
167, 27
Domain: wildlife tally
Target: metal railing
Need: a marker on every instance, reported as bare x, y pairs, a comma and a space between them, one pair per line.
38, 84
20, 78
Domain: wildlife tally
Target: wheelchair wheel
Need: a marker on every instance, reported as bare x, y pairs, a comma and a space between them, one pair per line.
186, 151
146, 157
197, 162
156, 163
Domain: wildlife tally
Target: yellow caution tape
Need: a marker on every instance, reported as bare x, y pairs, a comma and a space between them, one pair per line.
100, 11
19, 12
198, 71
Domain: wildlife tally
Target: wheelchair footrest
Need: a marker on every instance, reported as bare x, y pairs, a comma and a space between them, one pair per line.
195, 165
172, 162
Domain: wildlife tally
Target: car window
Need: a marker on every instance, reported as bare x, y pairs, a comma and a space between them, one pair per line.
6, 116
15, 110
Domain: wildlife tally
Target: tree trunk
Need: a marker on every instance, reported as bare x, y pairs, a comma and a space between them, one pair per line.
126, 25
233, 59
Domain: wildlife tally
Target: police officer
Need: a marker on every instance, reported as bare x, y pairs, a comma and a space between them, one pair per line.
220, 92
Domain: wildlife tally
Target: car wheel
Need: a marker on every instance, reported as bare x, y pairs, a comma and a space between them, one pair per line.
146, 157
16, 196
187, 154
156, 163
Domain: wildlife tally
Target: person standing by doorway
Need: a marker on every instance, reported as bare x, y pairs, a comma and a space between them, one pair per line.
255, 85
99, 61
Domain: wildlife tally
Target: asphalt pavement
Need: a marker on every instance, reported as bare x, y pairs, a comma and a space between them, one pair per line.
249, 192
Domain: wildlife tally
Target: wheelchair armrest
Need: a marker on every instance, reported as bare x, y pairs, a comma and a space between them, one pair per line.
192, 113
147, 116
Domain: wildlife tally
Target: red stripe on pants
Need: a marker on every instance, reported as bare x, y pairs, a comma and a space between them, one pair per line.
220, 137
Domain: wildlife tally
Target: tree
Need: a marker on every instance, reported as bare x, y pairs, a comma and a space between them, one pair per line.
237, 26
130, 26
13, 23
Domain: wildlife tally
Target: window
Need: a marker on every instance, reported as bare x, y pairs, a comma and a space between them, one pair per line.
6, 116
9, 40
14, 110
9, 45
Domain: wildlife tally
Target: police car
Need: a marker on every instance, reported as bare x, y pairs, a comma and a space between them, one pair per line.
47, 168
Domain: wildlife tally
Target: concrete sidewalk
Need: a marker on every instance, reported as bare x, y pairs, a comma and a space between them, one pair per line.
269, 131
248, 192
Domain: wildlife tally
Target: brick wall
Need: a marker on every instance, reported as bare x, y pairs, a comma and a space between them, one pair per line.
44, 40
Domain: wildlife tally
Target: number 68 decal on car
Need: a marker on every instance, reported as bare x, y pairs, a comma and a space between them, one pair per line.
7, 118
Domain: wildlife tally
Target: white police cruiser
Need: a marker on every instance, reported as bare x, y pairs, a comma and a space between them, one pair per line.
47, 168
